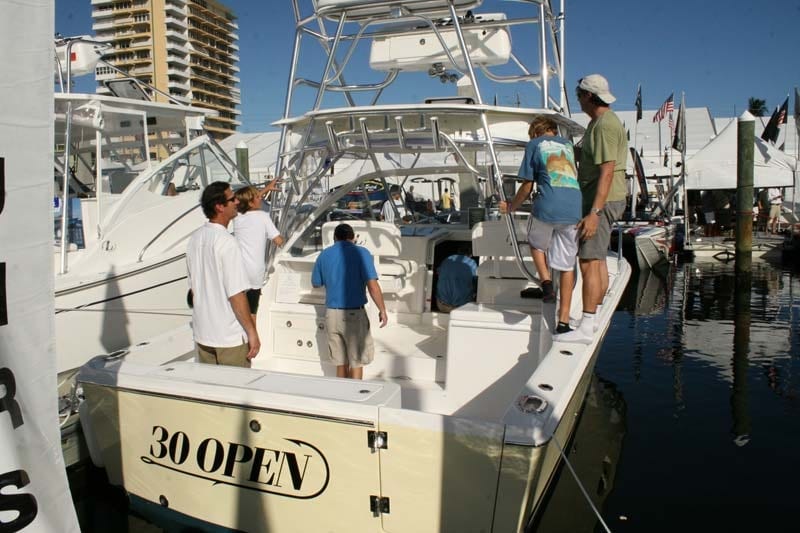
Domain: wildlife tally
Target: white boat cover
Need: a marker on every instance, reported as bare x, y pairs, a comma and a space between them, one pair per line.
34, 495
714, 166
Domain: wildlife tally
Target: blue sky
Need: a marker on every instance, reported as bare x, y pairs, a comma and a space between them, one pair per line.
719, 52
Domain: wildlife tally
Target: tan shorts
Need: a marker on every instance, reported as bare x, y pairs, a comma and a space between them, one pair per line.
233, 356
597, 246
774, 211
349, 339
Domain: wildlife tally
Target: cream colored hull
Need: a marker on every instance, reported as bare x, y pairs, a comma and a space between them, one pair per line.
260, 450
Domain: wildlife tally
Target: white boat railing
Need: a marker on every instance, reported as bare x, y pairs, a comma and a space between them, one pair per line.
355, 22
145, 90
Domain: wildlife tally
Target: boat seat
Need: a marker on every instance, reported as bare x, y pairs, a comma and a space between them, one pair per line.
384, 241
500, 279
490, 242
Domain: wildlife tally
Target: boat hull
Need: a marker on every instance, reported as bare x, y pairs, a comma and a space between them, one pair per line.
268, 466
647, 247
119, 309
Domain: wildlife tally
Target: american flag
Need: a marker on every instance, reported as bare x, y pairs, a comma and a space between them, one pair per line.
666, 107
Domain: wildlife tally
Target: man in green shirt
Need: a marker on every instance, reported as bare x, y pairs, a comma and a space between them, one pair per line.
601, 174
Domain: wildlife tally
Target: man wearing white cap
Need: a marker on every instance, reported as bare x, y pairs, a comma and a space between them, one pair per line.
601, 174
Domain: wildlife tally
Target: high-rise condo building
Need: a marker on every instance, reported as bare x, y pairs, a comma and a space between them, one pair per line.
185, 48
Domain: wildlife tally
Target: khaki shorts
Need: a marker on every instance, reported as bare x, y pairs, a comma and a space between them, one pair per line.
597, 246
774, 211
349, 339
233, 356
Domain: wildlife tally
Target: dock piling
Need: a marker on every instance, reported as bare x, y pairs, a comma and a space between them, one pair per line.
744, 192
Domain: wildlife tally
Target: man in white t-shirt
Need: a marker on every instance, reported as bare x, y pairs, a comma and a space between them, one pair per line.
253, 229
388, 213
224, 330
775, 201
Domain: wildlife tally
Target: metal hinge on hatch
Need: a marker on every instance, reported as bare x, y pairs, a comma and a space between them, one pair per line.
379, 505
377, 440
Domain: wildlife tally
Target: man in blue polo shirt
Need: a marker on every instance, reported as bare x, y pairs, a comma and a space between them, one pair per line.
345, 269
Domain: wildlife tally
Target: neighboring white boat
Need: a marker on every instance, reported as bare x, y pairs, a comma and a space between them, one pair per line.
136, 171
724, 248
648, 246
460, 422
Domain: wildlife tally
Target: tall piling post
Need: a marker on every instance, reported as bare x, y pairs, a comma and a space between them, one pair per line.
744, 192
243, 159
743, 282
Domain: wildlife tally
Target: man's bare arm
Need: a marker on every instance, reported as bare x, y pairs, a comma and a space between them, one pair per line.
242, 311
375, 293
588, 225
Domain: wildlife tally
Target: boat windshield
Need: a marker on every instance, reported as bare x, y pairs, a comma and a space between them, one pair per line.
365, 198
190, 172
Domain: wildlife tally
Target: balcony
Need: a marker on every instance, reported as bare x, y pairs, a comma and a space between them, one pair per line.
105, 25
175, 21
176, 36
177, 72
176, 60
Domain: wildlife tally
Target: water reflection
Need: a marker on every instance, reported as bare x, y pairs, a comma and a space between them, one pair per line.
593, 454
710, 381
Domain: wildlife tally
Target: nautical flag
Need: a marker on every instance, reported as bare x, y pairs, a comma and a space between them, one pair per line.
778, 117
639, 103
666, 107
797, 110
679, 143
638, 168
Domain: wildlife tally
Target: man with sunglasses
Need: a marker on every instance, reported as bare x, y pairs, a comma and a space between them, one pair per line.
602, 155
224, 330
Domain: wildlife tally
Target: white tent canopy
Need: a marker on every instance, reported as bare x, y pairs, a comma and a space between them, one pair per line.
714, 166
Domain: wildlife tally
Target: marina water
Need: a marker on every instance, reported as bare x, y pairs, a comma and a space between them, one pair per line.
691, 422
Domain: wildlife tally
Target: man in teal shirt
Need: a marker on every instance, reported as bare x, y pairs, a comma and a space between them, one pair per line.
601, 174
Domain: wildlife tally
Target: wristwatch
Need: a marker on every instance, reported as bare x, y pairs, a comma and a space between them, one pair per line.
596, 211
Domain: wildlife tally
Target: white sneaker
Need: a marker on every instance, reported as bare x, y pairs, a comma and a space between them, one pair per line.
583, 334
577, 335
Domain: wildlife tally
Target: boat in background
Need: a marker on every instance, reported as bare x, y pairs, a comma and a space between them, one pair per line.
648, 228
128, 176
463, 417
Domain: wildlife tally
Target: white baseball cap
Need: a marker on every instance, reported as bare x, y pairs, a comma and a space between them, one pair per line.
597, 84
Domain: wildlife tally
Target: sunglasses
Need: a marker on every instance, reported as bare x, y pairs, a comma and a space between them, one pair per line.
229, 200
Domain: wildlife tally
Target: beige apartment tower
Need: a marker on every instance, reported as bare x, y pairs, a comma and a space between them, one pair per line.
185, 48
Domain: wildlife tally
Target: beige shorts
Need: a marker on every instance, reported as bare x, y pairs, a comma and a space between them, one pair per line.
349, 339
774, 211
597, 246
233, 356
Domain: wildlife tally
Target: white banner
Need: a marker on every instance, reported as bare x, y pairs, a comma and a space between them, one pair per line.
34, 495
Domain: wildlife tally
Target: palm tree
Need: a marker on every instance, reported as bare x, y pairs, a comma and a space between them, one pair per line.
757, 107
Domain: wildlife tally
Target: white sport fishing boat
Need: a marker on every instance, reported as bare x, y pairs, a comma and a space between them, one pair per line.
130, 171
462, 418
